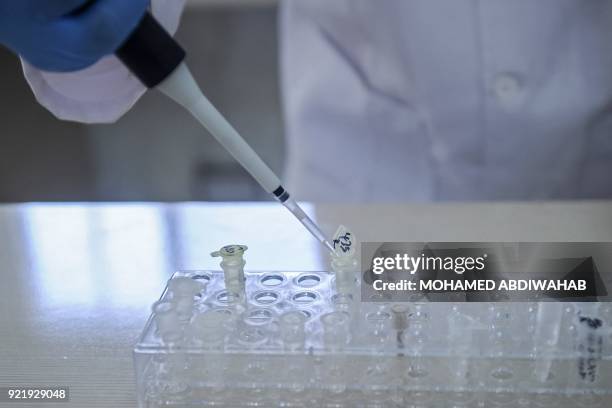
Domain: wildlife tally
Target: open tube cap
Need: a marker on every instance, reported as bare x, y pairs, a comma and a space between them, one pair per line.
230, 251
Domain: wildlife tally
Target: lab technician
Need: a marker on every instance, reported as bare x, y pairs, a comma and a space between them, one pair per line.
388, 100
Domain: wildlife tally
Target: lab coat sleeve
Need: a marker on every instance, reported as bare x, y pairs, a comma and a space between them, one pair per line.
103, 92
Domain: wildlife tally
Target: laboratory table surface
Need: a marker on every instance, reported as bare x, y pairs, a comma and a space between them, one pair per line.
77, 280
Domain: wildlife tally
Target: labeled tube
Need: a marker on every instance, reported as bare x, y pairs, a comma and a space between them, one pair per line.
232, 263
589, 341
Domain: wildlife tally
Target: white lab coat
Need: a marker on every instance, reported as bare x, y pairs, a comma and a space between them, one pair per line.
394, 100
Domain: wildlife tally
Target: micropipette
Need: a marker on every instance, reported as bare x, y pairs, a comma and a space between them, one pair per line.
157, 60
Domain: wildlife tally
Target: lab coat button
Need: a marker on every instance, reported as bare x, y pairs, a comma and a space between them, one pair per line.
508, 88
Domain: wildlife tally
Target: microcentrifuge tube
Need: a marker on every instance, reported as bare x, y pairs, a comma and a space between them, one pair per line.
208, 328
184, 286
343, 260
232, 263
291, 326
460, 344
399, 314
183, 291
336, 336
546, 338
378, 327
167, 320
589, 341
336, 329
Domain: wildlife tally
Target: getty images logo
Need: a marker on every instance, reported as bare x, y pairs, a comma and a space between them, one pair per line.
412, 264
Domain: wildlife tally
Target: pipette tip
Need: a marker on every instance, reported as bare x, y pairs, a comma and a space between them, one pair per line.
329, 246
310, 225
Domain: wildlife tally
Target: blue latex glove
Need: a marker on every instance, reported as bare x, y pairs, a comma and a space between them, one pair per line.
67, 35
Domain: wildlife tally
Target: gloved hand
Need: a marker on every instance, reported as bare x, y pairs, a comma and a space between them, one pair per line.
67, 35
